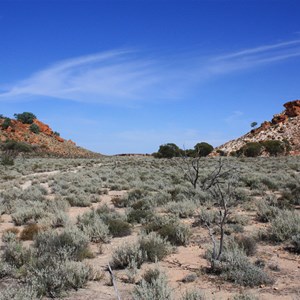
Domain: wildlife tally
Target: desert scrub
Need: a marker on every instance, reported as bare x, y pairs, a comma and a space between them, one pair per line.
154, 246
284, 226
93, 226
130, 198
234, 266
14, 253
139, 215
170, 228
18, 292
118, 228
244, 296
128, 254
55, 265
247, 243
71, 241
193, 295
155, 288
266, 210
6, 270
80, 200
117, 224
183, 209
54, 276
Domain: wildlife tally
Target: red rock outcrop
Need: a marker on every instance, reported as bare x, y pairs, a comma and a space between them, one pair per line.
292, 108
283, 127
46, 141
43, 127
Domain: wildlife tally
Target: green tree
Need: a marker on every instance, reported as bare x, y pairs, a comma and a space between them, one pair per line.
274, 147
203, 149
252, 149
25, 117
168, 151
253, 124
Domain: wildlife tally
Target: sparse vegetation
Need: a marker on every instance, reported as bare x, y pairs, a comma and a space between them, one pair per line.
25, 117
159, 217
34, 128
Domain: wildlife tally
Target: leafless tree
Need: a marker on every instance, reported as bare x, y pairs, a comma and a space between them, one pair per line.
220, 183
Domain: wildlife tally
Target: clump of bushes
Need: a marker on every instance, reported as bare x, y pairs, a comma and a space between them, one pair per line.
153, 286
117, 224
8, 158
34, 128
154, 246
234, 266
247, 244
16, 146
193, 295
55, 266
284, 226
6, 123
172, 229
274, 147
25, 117
151, 247
182, 209
126, 254
93, 227
252, 149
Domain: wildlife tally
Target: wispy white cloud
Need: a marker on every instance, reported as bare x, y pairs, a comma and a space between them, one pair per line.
127, 77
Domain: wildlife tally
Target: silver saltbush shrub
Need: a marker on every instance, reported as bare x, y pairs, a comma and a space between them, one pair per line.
155, 289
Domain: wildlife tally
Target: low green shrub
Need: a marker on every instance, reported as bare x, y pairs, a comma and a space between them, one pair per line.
93, 227
34, 128
80, 200
266, 211
138, 215
284, 226
15, 254
247, 244
170, 228
154, 246
54, 276
244, 296
6, 123
176, 233
234, 266
18, 292
71, 241
155, 288
124, 255
183, 209
118, 228
5, 269
17, 146
193, 295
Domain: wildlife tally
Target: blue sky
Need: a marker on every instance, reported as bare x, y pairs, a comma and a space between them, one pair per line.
127, 76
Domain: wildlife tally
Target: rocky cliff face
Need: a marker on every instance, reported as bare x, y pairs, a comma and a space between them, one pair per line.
45, 142
283, 126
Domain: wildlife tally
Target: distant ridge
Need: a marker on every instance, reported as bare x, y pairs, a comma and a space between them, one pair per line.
283, 127
45, 143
